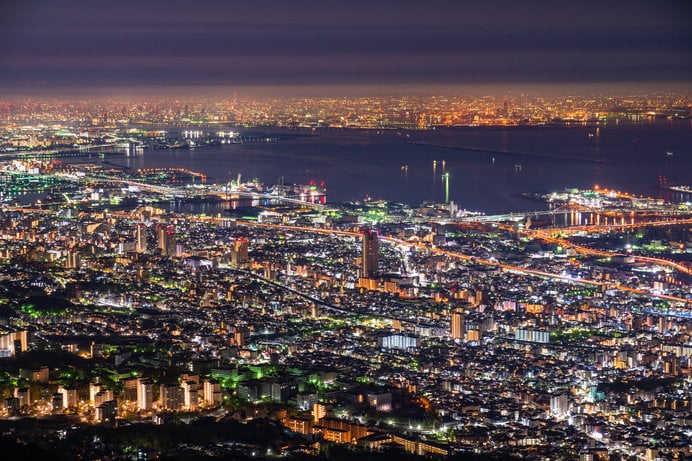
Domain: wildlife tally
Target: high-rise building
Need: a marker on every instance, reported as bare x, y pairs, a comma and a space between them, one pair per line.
166, 240
212, 393
371, 253
559, 405
319, 411
171, 397
240, 254
103, 396
56, 402
161, 237
107, 411
94, 389
145, 394
141, 236
13, 342
73, 260
458, 325
24, 396
190, 395
69, 396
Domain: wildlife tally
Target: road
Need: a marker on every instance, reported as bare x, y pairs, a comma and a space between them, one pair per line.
473, 259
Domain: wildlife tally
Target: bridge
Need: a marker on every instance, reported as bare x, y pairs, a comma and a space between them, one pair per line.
624, 213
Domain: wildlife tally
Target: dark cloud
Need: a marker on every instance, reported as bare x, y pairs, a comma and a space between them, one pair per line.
76, 43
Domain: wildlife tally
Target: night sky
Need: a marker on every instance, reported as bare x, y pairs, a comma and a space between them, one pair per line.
67, 46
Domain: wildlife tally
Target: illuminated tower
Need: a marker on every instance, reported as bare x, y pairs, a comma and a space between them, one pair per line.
145, 397
457, 330
161, 238
141, 235
166, 240
446, 180
371, 253
73, 260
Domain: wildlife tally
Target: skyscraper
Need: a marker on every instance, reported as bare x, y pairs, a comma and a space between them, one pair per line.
166, 240
145, 397
141, 235
371, 253
457, 327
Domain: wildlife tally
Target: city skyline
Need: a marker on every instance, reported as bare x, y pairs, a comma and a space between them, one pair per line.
332, 230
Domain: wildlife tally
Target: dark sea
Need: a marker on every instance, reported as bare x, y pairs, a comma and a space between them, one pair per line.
489, 168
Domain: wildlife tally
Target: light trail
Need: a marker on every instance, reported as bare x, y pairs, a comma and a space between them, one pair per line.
549, 236
465, 257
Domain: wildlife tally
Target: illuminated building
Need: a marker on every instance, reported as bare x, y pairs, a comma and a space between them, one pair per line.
23, 395
211, 392
190, 395
239, 255
371, 253
141, 243
381, 401
319, 411
93, 390
306, 401
166, 240
401, 342
12, 343
458, 325
299, 425
57, 402
73, 261
559, 405
171, 397
102, 397
106, 411
145, 398
69, 396
473, 336
532, 336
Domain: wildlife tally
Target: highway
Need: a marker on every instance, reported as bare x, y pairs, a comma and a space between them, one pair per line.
473, 259
550, 235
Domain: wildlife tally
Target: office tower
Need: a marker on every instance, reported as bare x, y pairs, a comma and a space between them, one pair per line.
458, 325
141, 236
371, 253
